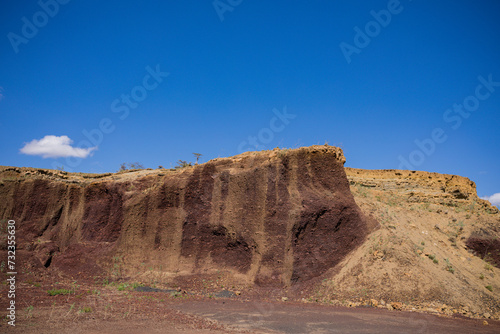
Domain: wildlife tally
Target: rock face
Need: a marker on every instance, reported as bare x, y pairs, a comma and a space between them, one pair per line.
419, 186
271, 218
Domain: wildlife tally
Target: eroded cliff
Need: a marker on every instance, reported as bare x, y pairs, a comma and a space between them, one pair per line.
270, 218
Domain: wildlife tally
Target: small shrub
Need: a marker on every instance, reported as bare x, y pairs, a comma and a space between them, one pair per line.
282, 153
86, 310
176, 294
488, 266
449, 267
131, 165
489, 287
59, 292
135, 285
436, 261
183, 164
29, 312
432, 257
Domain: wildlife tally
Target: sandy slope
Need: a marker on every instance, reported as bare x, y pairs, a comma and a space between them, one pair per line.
419, 258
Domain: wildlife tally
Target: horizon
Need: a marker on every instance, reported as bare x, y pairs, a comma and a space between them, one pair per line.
395, 84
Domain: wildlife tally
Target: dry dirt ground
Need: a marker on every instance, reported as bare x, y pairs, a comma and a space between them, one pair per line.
118, 308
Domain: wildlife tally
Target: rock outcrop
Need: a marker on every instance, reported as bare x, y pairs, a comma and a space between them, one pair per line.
418, 186
271, 218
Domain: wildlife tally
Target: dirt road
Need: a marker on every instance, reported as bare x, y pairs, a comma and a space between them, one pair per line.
265, 317
148, 315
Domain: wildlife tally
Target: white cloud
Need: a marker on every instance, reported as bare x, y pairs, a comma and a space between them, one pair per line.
55, 147
494, 199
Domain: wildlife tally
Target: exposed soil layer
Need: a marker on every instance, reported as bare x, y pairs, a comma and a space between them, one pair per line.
487, 248
273, 218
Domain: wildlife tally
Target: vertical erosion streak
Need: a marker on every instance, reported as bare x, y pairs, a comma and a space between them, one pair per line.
197, 203
31, 204
253, 202
103, 214
176, 235
293, 213
48, 225
170, 216
72, 216
271, 258
277, 206
7, 204
219, 198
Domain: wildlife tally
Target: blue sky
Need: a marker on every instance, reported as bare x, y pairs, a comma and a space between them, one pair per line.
155, 81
